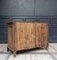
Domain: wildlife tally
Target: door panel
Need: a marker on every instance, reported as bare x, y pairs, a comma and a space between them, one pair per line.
38, 35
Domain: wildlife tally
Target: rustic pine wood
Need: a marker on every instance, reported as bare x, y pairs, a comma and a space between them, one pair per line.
10, 36
27, 35
42, 35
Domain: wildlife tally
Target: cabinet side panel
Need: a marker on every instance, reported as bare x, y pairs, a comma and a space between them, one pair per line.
10, 36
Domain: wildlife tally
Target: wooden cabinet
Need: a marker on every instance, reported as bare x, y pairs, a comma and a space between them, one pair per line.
27, 35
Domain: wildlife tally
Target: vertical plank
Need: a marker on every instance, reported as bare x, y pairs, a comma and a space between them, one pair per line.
30, 35
20, 36
38, 34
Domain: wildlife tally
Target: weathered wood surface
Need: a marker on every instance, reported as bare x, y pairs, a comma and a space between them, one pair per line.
41, 35
27, 35
10, 36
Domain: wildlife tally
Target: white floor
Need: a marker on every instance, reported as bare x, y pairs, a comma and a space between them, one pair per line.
50, 54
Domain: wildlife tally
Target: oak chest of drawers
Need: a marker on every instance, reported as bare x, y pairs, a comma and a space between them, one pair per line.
27, 35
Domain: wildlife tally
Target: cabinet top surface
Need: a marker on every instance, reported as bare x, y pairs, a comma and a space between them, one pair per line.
27, 22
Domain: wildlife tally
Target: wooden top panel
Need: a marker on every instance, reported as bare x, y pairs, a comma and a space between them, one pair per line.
10, 23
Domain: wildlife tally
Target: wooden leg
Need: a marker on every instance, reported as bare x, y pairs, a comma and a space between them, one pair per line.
46, 47
14, 53
7, 49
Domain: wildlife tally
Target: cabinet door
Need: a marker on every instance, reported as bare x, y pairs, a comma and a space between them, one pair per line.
20, 36
41, 35
30, 35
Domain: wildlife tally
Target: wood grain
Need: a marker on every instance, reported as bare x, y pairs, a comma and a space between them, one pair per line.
28, 35
41, 35
10, 36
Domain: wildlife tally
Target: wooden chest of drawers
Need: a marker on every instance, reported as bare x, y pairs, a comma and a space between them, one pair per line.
27, 35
